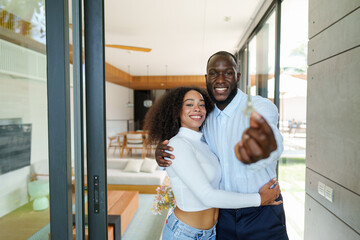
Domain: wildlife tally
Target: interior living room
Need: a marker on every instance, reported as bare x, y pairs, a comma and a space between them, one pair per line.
77, 79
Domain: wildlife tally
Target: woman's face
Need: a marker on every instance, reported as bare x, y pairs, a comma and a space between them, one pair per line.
193, 110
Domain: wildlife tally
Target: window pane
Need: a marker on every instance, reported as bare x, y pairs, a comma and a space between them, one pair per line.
262, 60
293, 85
23, 121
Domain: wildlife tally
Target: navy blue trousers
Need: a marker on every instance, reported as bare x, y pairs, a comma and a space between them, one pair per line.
253, 223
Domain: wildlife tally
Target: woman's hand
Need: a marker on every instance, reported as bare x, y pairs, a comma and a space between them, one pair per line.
269, 195
160, 154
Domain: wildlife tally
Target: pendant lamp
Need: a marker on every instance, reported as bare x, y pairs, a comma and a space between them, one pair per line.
129, 104
148, 101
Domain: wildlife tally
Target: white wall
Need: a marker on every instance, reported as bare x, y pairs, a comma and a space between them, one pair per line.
117, 113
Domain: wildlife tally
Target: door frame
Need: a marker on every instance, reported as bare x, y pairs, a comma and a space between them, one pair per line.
58, 76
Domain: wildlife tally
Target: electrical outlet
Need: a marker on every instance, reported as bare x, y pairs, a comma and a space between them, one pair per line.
329, 193
321, 188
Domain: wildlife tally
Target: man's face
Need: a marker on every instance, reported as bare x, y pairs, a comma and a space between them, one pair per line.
221, 79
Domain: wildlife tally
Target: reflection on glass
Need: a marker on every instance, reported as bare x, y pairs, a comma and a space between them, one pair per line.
252, 66
23, 17
24, 199
262, 60
249, 108
293, 85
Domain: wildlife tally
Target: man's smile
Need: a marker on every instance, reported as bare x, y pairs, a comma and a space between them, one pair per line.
220, 90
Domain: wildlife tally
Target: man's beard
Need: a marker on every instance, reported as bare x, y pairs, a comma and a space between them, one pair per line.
227, 100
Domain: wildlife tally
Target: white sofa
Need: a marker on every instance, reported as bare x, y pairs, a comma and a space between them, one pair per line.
117, 178
144, 182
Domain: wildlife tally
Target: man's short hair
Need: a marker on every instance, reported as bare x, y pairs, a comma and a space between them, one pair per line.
223, 53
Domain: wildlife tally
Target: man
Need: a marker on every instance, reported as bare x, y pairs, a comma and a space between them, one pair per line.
258, 150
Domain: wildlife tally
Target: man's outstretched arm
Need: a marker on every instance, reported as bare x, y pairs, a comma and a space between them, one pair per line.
257, 142
161, 154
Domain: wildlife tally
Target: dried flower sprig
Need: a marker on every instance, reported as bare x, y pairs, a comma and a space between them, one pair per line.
164, 199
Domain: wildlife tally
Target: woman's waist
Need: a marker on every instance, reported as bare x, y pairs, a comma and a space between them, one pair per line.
204, 219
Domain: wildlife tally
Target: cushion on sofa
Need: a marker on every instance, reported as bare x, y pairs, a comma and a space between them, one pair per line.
149, 165
133, 165
117, 163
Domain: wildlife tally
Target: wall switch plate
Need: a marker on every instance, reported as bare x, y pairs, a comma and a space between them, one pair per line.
329, 193
321, 188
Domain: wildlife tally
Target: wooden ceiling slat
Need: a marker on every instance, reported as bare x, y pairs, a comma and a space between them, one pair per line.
117, 76
166, 82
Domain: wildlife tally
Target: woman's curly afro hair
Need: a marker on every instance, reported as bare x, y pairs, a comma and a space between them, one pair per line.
162, 121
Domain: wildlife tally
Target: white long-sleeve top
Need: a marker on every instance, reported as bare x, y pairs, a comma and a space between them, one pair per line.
196, 174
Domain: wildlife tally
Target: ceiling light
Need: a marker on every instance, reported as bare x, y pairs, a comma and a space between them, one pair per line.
129, 104
148, 102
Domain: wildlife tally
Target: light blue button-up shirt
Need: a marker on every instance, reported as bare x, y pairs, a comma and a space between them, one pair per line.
223, 129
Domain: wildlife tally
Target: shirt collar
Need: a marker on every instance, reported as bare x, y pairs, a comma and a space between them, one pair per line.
232, 106
187, 132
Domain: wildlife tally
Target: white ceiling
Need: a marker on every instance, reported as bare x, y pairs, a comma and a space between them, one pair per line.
181, 33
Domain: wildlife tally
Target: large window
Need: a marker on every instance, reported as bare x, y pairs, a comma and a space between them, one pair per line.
23, 121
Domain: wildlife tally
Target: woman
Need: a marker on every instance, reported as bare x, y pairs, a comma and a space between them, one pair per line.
195, 175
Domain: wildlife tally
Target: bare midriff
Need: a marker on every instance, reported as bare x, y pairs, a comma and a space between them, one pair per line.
203, 220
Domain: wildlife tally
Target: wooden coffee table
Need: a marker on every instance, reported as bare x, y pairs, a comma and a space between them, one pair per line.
123, 204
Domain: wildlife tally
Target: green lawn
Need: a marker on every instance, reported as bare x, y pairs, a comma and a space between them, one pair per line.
292, 184
292, 173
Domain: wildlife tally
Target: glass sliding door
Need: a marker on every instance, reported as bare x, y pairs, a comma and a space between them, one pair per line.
293, 97
65, 175
36, 157
24, 161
